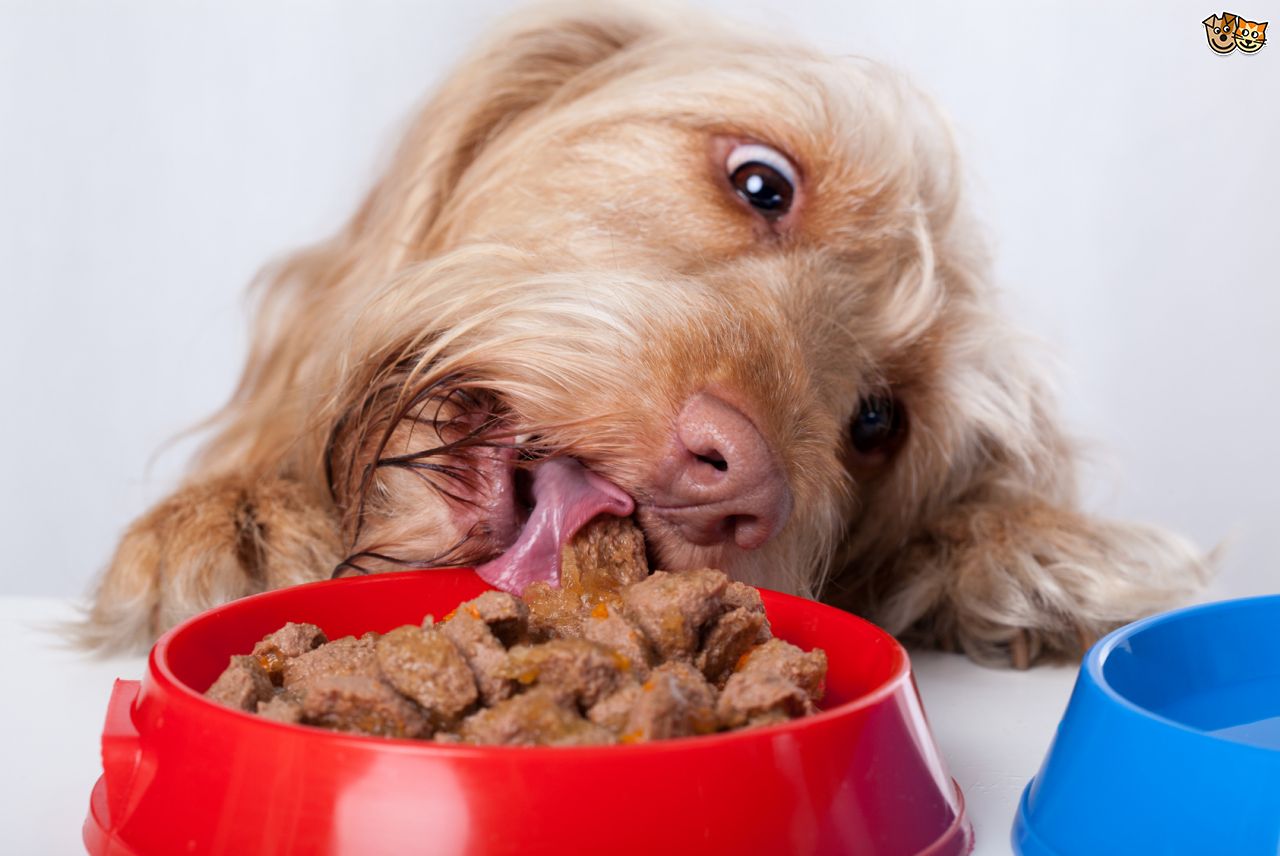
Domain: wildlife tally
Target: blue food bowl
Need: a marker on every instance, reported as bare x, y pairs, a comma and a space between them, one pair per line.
1170, 743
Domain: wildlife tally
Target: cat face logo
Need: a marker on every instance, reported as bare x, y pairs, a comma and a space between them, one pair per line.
1229, 31
1250, 37
1221, 32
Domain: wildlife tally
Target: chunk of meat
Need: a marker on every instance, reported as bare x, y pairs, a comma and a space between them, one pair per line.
742, 596
606, 555
536, 717
728, 637
425, 666
363, 704
614, 711
754, 699
773, 682
506, 615
574, 670
483, 652
805, 669
345, 656
242, 684
281, 708
607, 627
672, 608
292, 640
676, 701
554, 613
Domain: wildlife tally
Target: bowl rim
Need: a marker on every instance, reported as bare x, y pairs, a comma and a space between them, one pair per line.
162, 674
1095, 662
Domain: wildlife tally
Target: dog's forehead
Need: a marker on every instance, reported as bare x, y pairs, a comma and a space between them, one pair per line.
853, 128
808, 104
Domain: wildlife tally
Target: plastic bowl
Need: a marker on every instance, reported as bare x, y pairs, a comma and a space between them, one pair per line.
1170, 743
184, 775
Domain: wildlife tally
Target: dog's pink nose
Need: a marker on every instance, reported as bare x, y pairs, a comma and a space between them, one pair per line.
721, 481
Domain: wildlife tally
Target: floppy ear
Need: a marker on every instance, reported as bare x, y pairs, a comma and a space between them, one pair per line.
983, 547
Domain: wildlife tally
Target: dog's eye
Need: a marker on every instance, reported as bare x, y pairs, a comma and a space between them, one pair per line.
878, 425
763, 178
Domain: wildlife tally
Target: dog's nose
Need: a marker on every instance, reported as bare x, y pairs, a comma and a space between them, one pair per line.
721, 481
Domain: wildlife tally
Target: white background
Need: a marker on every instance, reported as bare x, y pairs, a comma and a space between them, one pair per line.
154, 155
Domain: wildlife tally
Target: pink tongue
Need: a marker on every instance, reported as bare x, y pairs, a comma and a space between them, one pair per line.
565, 496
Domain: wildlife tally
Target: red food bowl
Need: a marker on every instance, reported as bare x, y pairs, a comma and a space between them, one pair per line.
185, 775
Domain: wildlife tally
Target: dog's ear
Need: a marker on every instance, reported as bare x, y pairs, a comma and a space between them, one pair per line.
975, 541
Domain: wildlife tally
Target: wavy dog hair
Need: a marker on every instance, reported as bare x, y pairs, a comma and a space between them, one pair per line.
553, 262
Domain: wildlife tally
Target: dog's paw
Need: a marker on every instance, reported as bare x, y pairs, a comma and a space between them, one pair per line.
207, 544
1012, 647
1028, 646
1024, 584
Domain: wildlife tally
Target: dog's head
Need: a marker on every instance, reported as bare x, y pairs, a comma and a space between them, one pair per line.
1221, 32
729, 277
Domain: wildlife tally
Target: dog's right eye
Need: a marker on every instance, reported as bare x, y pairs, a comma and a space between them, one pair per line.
878, 425
763, 178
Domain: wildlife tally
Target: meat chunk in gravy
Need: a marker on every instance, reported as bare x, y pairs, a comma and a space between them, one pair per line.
292, 640
772, 683
676, 701
536, 717
671, 609
575, 671
364, 704
423, 665
242, 685
483, 653
345, 656
728, 637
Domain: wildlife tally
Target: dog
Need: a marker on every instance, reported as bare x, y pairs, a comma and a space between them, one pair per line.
623, 263
1221, 32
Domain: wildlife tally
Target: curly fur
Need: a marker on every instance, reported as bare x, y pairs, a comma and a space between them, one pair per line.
552, 264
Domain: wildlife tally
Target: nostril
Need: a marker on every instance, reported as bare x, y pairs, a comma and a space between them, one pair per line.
721, 481
715, 459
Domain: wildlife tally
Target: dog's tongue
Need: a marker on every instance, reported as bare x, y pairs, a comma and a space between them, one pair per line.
565, 496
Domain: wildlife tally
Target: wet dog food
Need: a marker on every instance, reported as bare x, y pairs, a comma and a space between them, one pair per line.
614, 655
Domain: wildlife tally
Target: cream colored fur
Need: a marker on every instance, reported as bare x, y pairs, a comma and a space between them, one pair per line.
554, 254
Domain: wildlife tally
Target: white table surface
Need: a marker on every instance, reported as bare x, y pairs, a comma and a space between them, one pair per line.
993, 728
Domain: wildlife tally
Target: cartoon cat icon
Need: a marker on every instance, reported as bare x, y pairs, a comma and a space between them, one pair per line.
1221, 32
1250, 37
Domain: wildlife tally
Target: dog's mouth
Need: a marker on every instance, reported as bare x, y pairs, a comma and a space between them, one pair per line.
537, 508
